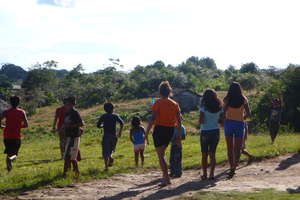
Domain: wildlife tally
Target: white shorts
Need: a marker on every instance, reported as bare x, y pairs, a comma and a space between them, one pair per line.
139, 147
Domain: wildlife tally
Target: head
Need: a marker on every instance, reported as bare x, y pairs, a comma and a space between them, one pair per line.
211, 101
70, 101
14, 101
165, 89
65, 101
108, 107
136, 121
235, 97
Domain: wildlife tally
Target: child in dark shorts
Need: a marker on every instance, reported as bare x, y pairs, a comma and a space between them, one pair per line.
15, 120
108, 122
211, 114
176, 153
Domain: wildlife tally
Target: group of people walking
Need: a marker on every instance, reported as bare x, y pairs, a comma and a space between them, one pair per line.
166, 122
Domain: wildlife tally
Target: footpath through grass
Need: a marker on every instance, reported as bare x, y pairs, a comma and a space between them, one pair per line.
39, 161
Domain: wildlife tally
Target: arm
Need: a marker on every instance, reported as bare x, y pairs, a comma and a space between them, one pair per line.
100, 122
222, 119
131, 135
201, 117
1, 117
150, 125
25, 121
179, 119
121, 122
247, 110
55, 121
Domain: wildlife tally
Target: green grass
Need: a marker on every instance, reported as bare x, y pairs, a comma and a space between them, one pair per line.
260, 195
38, 162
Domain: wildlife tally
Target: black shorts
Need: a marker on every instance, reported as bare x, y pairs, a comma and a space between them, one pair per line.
162, 135
12, 146
109, 142
209, 140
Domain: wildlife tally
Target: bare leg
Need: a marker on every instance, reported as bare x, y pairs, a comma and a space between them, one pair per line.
136, 158
106, 163
230, 152
204, 166
237, 150
67, 166
75, 167
163, 164
142, 157
212, 156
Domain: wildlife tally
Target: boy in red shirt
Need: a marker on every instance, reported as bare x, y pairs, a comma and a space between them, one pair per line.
15, 120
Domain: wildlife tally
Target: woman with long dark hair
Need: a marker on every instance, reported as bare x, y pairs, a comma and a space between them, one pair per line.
236, 109
211, 115
166, 116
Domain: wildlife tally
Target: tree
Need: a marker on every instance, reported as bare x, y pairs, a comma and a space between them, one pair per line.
249, 68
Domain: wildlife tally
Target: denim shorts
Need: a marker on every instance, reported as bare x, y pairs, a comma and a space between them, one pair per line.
233, 128
209, 140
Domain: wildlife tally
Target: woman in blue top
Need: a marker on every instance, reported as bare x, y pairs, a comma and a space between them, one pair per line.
211, 115
137, 137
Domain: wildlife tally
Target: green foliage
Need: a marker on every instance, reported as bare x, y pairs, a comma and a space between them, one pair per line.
249, 68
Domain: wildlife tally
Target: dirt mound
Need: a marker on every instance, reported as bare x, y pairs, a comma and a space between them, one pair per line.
278, 173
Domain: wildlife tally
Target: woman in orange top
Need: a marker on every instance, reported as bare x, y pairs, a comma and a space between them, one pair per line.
166, 116
236, 109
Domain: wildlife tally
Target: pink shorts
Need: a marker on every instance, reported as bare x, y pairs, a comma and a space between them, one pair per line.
139, 147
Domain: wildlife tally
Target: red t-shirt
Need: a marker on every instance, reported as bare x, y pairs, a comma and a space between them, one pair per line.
60, 113
15, 118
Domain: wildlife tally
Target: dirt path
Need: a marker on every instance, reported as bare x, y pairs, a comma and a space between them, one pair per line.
279, 173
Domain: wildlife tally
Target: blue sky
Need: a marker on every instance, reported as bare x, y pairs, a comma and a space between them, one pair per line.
139, 32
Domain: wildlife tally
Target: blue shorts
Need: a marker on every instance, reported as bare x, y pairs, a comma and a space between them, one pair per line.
233, 128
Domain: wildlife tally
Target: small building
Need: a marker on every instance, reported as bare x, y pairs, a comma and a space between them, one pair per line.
3, 106
187, 99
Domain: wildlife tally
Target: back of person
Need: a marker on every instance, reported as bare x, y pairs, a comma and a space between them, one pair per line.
14, 120
138, 135
109, 121
60, 112
211, 120
72, 117
166, 110
236, 114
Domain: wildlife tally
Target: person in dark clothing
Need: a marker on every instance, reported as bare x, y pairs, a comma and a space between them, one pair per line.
108, 122
275, 117
72, 129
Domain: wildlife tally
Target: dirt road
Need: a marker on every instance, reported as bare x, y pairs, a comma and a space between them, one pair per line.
278, 173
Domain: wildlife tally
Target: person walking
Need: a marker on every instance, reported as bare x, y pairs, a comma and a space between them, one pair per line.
165, 117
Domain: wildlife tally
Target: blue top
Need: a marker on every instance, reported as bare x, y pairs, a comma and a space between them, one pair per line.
138, 136
109, 121
211, 120
183, 132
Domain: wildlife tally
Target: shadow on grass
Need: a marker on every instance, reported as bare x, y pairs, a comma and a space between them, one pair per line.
34, 162
23, 188
293, 160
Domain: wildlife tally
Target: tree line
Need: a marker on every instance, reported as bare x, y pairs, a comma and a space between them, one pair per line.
44, 85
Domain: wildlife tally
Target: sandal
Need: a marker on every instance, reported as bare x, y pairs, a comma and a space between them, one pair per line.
231, 174
204, 177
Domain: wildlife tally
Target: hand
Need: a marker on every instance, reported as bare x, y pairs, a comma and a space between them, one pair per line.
119, 135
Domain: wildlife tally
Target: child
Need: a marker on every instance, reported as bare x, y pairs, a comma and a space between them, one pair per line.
15, 120
137, 137
176, 153
211, 114
244, 150
109, 141
71, 126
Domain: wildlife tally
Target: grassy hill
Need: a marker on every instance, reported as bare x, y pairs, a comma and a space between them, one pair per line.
39, 161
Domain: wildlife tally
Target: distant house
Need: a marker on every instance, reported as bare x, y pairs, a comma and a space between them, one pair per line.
3, 106
187, 99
